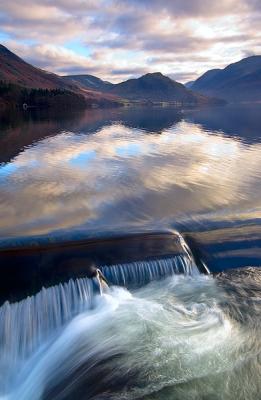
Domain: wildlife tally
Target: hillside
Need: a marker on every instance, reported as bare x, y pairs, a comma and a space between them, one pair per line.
15, 70
238, 82
188, 84
153, 87
89, 82
156, 87
204, 79
149, 88
18, 74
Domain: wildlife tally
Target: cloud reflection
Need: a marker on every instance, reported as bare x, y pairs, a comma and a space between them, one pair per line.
122, 177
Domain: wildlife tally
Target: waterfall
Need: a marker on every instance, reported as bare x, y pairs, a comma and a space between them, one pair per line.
139, 273
27, 324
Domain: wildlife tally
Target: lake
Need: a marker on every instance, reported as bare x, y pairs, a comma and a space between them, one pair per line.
103, 174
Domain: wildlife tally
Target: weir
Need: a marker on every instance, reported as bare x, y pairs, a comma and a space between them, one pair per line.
34, 319
139, 273
31, 320
123, 260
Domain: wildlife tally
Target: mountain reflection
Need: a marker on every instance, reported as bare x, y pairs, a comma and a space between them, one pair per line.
18, 130
235, 120
121, 178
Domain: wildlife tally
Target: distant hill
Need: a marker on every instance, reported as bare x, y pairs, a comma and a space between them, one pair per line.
16, 74
238, 82
188, 84
156, 87
204, 79
15, 70
153, 87
89, 82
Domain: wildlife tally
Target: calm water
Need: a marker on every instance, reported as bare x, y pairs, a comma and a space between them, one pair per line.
111, 172
108, 172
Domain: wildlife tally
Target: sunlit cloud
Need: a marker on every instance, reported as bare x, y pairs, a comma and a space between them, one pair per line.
180, 38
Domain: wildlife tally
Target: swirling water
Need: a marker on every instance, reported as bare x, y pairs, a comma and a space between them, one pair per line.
186, 337
28, 324
115, 172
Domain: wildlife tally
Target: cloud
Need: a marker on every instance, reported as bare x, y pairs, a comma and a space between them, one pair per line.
129, 71
194, 8
106, 36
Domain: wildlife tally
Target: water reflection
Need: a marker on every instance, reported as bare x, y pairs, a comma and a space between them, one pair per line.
121, 171
235, 120
18, 130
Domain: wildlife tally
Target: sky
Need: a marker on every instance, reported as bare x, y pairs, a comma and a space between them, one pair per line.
121, 39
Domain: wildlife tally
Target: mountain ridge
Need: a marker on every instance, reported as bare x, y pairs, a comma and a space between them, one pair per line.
16, 75
151, 88
88, 81
237, 82
15, 70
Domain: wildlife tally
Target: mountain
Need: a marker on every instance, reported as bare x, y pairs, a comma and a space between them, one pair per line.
15, 70
149, 88
44, 89
16, 74
188, 84
204, 79
238, 82
90, 82
155, 87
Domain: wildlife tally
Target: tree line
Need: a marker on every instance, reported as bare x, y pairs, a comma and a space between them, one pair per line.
13, 95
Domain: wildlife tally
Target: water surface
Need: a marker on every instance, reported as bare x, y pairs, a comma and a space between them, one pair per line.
187, 337
108, 172
114, 172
